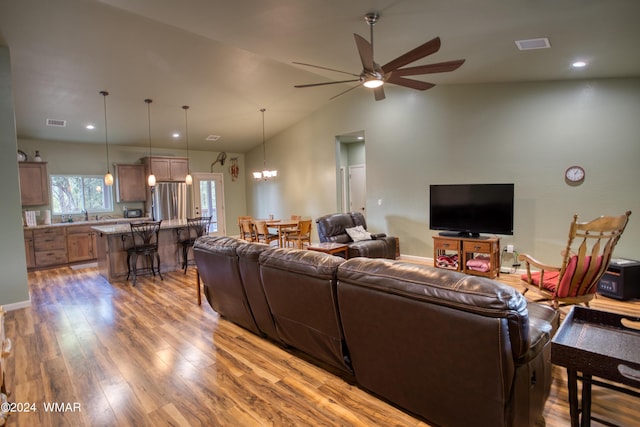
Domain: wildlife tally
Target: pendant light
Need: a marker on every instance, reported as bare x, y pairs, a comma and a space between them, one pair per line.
151, 179
108, 178
265, 174
188, 179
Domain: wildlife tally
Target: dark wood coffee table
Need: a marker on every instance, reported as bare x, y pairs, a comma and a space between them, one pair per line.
597, 344
330, 248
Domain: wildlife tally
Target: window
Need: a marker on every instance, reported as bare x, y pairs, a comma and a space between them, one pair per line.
71, 194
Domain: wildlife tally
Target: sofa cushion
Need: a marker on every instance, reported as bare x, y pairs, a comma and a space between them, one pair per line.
473, 294
217, 262
300, 287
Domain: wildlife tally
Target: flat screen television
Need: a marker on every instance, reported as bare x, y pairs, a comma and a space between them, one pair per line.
471, 209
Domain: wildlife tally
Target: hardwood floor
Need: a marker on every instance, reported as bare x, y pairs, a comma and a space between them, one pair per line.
149, 355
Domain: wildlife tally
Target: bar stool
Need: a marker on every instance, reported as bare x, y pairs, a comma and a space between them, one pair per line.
145, 242
196, 227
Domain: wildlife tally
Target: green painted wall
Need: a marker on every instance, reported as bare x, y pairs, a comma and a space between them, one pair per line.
525, 133
13, 284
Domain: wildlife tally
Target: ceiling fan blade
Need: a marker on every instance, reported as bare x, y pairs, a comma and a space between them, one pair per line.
325, 68
378, 93
413, 84
441, 67
428, 48
327, 83
366, 52
345, 91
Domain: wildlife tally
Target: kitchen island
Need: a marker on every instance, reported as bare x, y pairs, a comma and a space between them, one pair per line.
114, 240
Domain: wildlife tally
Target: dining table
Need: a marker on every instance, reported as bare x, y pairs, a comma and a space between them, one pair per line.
281, 225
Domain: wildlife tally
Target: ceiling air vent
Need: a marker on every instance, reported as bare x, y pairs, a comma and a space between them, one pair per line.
531, 44
213, 138
57, 123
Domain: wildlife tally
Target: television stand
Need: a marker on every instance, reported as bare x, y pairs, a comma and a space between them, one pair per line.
459, 234
456, 252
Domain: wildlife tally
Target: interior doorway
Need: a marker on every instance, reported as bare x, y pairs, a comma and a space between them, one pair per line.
208, 200
357, 188
351, 172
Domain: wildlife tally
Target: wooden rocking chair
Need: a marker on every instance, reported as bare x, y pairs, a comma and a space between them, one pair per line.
584, 261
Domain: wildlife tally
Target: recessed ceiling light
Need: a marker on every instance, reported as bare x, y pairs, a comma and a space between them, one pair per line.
579, 64
90, 127
361, 137
176, 135
213, 138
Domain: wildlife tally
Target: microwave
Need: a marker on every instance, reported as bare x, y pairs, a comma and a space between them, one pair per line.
133, 213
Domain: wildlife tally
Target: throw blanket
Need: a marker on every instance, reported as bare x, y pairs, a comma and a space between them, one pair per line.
479, 263
447, 261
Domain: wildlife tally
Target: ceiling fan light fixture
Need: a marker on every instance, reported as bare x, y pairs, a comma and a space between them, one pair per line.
373, 83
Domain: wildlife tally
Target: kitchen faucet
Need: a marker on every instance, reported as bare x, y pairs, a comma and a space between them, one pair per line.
86, 215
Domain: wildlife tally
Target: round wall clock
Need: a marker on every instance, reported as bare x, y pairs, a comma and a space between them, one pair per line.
574, 174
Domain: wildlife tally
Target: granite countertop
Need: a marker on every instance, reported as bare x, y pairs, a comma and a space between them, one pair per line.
125, 228
100, 222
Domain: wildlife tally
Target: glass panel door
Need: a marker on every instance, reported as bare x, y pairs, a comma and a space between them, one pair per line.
208, 200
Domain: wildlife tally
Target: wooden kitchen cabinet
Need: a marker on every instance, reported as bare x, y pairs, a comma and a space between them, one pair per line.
34, 183
29, 249
167, 168
50, 246
131, 183
81, 243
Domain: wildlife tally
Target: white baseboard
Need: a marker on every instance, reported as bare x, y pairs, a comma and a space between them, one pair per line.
17, 305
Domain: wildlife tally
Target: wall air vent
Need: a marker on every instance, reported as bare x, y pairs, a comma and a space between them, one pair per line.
57, 123
213, 138
532, 44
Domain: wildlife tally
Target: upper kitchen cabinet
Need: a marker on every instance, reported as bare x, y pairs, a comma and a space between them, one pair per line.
34, 183
167, 168
130, 183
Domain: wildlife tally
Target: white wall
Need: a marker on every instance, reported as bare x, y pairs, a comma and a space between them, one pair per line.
525, 133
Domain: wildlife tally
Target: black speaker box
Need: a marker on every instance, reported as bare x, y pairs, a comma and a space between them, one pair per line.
621, 280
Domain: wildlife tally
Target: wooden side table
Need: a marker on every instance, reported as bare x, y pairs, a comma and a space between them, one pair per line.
330, 248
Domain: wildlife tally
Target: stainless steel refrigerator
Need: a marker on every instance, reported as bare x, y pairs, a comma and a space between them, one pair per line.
171, 201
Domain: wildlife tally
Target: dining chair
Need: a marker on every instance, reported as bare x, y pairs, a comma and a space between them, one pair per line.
196, 227
584, 260
240, 219
262, 233
144, 236
247, 230
303, 234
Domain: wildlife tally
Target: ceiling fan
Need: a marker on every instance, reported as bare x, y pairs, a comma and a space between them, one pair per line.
374, 76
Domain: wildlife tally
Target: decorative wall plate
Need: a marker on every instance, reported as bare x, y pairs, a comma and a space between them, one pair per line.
22, 156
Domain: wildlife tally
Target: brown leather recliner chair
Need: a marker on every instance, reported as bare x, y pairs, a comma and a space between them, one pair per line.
332, 228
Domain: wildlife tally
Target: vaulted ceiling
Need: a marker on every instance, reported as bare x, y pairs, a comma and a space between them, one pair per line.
228, 59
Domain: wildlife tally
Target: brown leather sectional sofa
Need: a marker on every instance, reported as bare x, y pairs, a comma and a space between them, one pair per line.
447, 347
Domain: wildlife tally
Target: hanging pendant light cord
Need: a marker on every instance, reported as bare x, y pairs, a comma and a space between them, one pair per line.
264, 146
104, 94
149, 101
186, 134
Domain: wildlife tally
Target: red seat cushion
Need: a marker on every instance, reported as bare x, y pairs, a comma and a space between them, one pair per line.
551, 277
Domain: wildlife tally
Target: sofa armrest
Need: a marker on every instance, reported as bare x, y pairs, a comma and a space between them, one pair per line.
375, 236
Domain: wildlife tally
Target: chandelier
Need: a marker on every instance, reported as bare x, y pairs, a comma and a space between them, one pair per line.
265, 174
